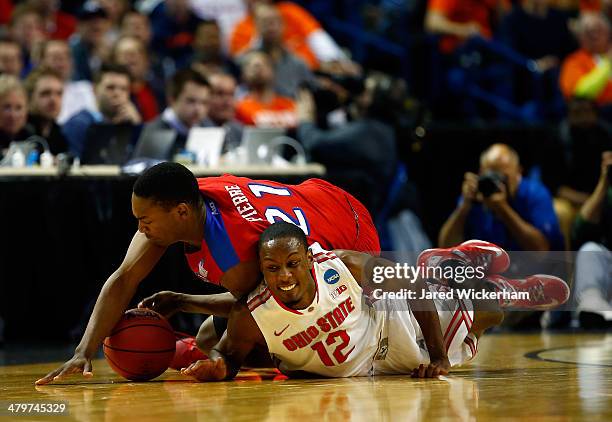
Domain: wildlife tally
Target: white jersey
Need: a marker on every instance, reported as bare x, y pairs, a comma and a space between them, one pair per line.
338, 335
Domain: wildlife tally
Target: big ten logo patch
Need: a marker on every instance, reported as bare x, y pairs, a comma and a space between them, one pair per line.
331, 276
338, 291
202, 272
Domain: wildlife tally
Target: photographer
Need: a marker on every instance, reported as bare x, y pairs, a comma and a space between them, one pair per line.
502, 207
593, 234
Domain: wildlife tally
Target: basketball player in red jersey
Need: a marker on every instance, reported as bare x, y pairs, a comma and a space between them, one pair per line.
219, 220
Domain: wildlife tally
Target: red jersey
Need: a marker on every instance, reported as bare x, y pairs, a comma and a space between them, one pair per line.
239, 209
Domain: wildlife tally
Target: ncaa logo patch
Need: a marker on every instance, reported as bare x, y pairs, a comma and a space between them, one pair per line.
331, 276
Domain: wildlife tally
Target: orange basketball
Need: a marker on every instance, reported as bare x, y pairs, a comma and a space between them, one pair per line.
141, 346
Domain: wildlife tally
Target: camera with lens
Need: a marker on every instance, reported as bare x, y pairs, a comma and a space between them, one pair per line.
490, 182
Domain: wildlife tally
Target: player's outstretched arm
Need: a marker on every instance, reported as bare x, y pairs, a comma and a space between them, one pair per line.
363, 267
227, 356
168, 303
115, 296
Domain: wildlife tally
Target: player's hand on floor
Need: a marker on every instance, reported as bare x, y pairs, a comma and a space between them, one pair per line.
166, 303
207, 370
432, 370
78, 364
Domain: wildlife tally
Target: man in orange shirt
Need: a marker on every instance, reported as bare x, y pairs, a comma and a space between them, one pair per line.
302, 34
587, 73
262, 106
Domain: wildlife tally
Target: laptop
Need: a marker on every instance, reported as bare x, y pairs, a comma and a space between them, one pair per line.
107, 143
256, 142
156, 144
207, 144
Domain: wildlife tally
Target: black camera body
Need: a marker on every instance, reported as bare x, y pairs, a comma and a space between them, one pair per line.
489, 183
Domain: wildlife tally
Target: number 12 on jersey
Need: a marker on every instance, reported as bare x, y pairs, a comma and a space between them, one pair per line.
338, 352
274, 214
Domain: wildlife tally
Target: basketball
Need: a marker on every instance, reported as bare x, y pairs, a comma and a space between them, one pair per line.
141, 346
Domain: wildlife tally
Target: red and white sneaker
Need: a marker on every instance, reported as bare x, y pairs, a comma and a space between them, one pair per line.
187, 352
475, 253
544, 291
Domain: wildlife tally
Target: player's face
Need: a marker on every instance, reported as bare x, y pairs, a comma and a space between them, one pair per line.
286, 264
159, 224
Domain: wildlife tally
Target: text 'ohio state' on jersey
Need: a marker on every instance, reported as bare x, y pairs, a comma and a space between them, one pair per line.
239, 209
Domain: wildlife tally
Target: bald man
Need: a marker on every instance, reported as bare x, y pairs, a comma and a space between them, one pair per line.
502, 207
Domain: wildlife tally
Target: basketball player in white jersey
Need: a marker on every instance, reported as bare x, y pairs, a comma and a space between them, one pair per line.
311, 316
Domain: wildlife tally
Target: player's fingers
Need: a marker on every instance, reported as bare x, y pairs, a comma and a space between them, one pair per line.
429, 373
87, 369
48, 378
220, 369
67, 370
191, 369
420, 371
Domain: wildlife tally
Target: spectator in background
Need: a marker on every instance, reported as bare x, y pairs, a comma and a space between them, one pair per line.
262, 106
78, 95
112, 90
458, 20
115, 9
302, 35
45, 88
227, 13
540, 33
147, 92
90, 47
222, 109
56, 23
13, 111
359, 156
174, 25
593, 234
585, 136
516, 214
208, 54
587, 73
188, 99
11, 60
26, 28
291, 72
135, 24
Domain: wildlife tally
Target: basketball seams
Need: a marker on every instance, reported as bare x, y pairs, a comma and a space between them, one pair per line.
143, 325
137, 351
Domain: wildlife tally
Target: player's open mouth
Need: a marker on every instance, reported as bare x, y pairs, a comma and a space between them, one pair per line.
287, 288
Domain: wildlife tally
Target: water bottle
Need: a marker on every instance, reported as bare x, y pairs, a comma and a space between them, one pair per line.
18, 158
32, 158
46, 159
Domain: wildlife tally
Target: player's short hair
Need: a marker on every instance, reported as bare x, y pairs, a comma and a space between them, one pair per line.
168, 184
177, 83
282, 230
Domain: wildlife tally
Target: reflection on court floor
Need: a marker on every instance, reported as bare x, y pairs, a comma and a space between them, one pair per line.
533, 377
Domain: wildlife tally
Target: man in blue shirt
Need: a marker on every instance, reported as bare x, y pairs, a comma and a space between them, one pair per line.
112, 91
517, 216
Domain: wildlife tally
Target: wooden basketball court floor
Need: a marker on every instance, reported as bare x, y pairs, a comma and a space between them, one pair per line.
540, 377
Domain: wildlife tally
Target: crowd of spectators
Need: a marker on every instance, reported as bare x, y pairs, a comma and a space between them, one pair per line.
150, 68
